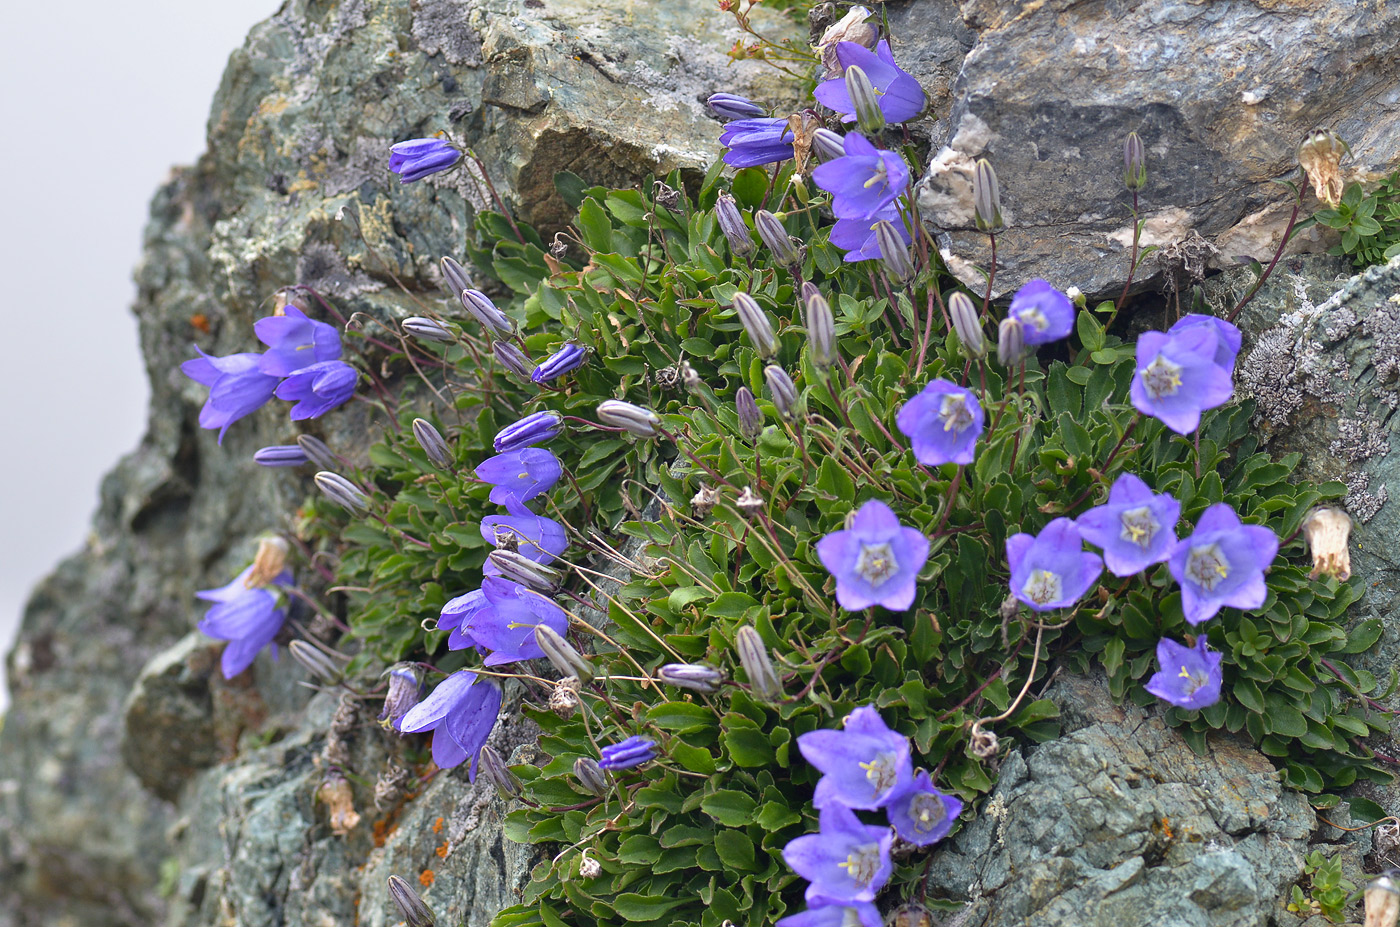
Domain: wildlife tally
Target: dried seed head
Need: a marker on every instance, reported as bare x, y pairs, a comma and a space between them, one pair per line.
749, 502
667, 197
758, 666
804, 126
1328, 531
851, 28
1320, 156
588, 867
756, 323
268, 562
983, 743
967, 324
411, 908
391, 785
563, 698
432, 443
750, 416
1134, 163
869, 116
335, 791
704, 501
986, 196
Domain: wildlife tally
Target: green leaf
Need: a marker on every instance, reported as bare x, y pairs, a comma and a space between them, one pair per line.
1285, 720
644, 908
681, 717
729, 807
595, 226
735, 849
1091, 332
775, 816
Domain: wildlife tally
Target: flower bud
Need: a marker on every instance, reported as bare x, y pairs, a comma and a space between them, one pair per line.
405, 690
629, 753
828, 145
733, 106
967, 324
756, 323
750, 415
427, 329
560, 653
869, 116
432, 443
753, 656
1328, 529
317, 452
1011, 343
268, 563
316, 662
1134, 163
591, 776
986, 196
513, 359
490, 765
456, 276
1382, 901
637, 420
280, 455
411, 908
342, 492
781, 388
519, 569
820, 325
731, 223
770, 229
532, 429
484, 311
696, 677
894, 253
566, 360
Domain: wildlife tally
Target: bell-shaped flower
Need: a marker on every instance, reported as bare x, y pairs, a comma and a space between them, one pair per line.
1044, 312
461, 712
751, 142
862, 766
1189, 676
634, 751
319, 388
248, 617
863, 182
876, 561
499, 620
1178, 378
732, 106
524, 474
566, 360
1227, 337
1051, 570
236, 387
822, 912
459, 617
921, 813
295, 341
845, 861
900, 96
1135, 528
417, 158
532, 429
859, 239
943, 423
534, 536
1222, 563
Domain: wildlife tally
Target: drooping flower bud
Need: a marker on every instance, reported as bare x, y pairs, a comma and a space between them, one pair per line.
750, 415
432, 443
456, 276
770, 229
782, 390
986, 196
626, 754
1328, 530
869, 116
696, 677
342, 492
280, 455
820, 325
317, 452
490, 765
591, 776
484, 311
1011, 343
637, 420
1134, 163
828, 145
758, 666
520, 569
405, 691
894, 253
560, 653
566, 360
427, 329
967, 324
411, 908
269, 561
513, 359
733, 106
756, 323
532, 429
731, 223
316, 662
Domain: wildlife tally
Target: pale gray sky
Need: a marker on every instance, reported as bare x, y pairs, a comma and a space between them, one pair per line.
97, 101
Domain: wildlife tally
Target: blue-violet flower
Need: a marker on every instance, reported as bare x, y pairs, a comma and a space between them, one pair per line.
534, 536
566, 360
501, 621
524, 474
634, 751
294, 342
943, 423
876, 561
1189, 676
865, 181
822, 912
1222, 563
862, 766
319, 388
1051, 570
1135, 528
1227, 337
901, 97
845, 860
858, 238
921, 814
248, 617
756, 141
236, 387
461, 712
532, 429
1178, 378
1044, 312
417, 158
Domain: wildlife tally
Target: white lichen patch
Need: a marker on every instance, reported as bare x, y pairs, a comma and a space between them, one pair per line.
945, 194
1161, 229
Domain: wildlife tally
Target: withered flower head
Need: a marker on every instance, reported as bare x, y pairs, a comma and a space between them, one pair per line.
1320, 156
268, 562
851, 28
1327, 530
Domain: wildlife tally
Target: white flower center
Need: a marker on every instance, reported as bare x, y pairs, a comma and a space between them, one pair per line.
863, 863
1206, 566
1161, 377
1033, 317
881, 772
1194, 681
876, 563
953, 412
927, 811
1139, 527
1043, 587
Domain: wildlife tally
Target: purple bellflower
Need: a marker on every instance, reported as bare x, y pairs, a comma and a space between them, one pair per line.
417, 158
634, 751
524, 474
295, 342
863, 182
247, 617
1222, 563
280, 455
862, 766
461, 712
1051, 570
1044, 312
1227, 337
1178, 378
756, 141
319, 388
1135, 528
733, 106
899, 94
532, 429
921, 814
534, 536
1189, 676
943, 423
846, 861
236, 387
822, 912
459, 617
499, 620
566, 360
858, 238
876, 561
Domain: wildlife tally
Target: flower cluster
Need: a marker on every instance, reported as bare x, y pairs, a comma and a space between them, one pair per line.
250, 610
866, 766
301, 365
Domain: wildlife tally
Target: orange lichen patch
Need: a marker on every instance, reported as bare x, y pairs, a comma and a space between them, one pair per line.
437, 826
384, 827
425, 878
200, 321
443, 850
